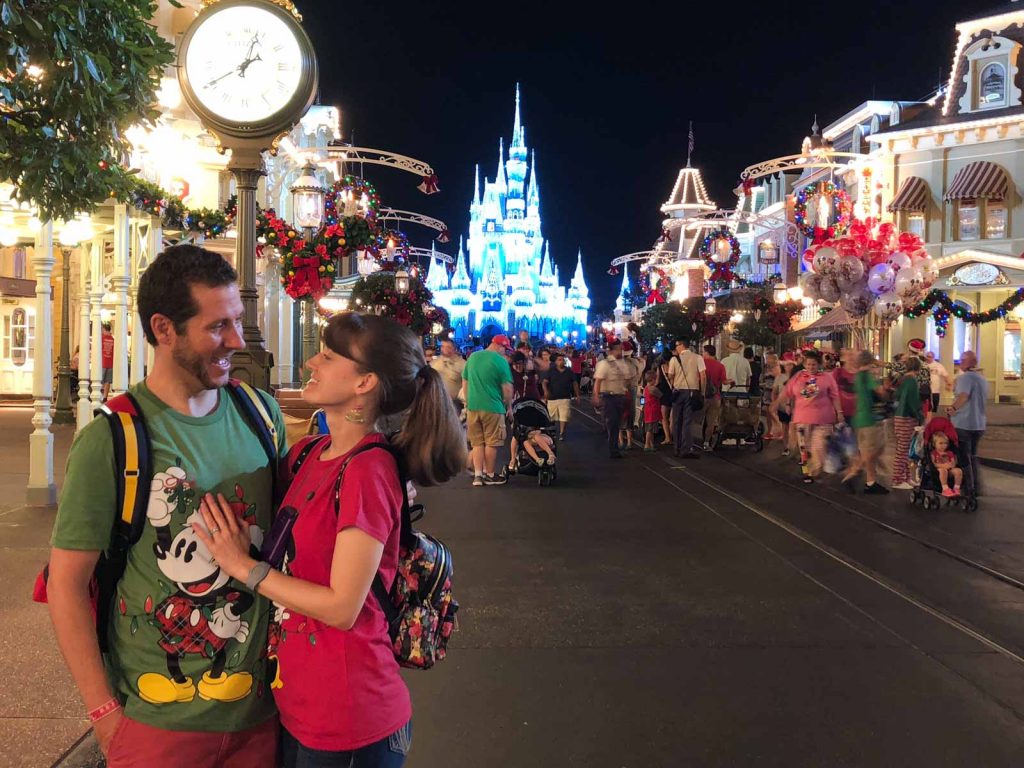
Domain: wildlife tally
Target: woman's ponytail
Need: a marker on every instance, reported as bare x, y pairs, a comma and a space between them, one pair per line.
431, 438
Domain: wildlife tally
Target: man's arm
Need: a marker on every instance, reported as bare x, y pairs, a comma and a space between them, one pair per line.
506, 393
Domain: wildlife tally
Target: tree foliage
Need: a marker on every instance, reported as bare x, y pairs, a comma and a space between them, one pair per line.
670, 321
75, 75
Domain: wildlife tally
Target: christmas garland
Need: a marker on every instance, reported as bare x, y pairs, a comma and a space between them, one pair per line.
840, 202
156, 201
943, 307
362, 192
778, 317
377, 295
398, 242
655, 290
720, 270
736, 281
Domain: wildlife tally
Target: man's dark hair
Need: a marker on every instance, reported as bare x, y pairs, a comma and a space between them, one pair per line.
165, 288
812, 354
685, 342
559, 355
522, 345
749, 353
709, 350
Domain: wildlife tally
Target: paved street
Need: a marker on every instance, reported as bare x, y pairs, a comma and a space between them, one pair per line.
640, 614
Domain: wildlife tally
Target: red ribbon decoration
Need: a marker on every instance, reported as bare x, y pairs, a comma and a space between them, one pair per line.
821, 235
747, 184
429, 184
666, 236
306, 277
445, 236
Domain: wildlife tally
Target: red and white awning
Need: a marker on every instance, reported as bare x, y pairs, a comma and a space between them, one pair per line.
979, 180
913, 195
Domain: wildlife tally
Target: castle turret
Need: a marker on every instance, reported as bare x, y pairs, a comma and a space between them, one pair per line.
620, 301
437, 275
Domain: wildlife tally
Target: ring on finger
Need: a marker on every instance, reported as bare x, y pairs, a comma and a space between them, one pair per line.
214, 530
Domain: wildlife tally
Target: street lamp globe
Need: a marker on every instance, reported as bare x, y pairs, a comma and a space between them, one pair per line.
308, 198
402, 282
75, 231
710, 306
780, 294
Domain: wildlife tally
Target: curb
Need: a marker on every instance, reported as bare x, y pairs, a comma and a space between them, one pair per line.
84, 753
1006, 466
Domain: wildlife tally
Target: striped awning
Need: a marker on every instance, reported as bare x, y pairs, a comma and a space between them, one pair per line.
912, 196
977, 180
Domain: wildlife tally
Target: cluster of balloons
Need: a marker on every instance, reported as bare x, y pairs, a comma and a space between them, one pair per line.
871, 266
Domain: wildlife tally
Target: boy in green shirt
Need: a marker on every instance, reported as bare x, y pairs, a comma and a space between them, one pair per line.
867, 423
184, 681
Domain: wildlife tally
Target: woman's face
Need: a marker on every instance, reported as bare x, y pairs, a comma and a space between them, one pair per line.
335, 380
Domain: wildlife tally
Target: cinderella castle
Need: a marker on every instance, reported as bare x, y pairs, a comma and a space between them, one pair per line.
506, 280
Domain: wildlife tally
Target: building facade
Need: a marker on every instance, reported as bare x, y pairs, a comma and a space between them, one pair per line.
505, 278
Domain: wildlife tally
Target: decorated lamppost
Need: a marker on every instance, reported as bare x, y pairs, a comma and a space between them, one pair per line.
308, 213
71, 236
780, 294
401, 282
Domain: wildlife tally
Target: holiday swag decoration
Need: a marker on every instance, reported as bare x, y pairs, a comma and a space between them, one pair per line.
823, 211
944, 307
872, 266
376, 293
655, 283
777, 317
721, 253
156, 201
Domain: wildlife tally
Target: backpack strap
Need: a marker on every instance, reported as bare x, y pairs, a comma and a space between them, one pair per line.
250, 403
133, 471
303, 452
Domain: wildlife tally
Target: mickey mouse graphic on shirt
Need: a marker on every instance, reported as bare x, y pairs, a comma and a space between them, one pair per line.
205, 612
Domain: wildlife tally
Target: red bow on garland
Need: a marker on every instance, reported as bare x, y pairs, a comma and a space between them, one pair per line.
429, 184
821, 235
307, 278
666, 236
445, 236
747, 184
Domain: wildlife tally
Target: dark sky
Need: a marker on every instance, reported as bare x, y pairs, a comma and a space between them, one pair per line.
606, 98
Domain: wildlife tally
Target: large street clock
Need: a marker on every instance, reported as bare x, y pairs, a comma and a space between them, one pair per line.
247, 68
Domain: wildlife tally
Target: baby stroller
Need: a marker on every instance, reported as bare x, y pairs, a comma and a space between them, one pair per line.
528, 415
741, 420
929, 490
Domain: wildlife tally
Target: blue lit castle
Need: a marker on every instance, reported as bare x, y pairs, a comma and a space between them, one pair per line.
506, 280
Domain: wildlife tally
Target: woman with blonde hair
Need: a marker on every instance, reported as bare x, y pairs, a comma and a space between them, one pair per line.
337, 684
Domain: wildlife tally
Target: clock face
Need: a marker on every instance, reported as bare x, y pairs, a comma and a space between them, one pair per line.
244, 64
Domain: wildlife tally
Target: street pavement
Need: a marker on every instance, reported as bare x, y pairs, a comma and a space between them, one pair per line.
643, 613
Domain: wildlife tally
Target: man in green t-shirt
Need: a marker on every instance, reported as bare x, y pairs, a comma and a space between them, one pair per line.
488, 380
184, 682
869, 396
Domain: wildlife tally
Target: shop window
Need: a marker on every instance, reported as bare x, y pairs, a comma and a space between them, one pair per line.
1011, 351
915, 224
995, 221
19, 336
991, 85
967, 220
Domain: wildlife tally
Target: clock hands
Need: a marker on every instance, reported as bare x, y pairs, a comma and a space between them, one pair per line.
241, 68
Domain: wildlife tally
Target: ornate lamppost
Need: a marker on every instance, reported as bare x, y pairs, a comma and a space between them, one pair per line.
71, 236
308, 213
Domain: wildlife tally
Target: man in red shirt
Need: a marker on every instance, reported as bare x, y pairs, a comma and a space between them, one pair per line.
107, 350
713, 400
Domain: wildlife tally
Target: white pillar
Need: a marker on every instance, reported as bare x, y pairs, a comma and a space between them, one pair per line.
84, 358
120, 281
41, 489
147, 245
286, 369
96, 290
272, 312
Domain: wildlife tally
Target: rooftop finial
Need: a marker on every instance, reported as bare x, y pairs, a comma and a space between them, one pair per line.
814, 126
689, 145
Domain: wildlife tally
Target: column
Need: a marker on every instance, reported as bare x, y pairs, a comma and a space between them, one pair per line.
41, 489
84, 407
120, 280
272, 311
96, 291
251, 364
64, 412
285, 361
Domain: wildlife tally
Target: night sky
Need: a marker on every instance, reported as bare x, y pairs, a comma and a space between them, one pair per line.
606, 99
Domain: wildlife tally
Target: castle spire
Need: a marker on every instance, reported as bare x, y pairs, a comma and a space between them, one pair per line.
476, 186
533, 194
499, 178
517, 127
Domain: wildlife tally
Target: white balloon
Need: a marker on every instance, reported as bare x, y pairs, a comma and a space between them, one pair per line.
908, 282
829, 290
888, 306
899, 260
881, 278
825, 260
857, 303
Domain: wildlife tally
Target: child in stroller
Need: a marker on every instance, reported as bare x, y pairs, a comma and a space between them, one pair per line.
533, 434
939, 460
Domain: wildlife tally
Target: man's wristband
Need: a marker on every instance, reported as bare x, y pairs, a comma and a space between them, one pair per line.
257, 574
103, 710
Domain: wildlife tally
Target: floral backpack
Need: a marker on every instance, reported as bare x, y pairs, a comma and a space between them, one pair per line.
420, 609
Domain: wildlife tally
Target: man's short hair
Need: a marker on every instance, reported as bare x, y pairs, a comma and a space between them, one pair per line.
614, 343
685, 343
749, 353
709, 350
165, 288
559, 355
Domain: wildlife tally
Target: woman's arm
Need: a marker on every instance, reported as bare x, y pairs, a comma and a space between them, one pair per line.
354, 565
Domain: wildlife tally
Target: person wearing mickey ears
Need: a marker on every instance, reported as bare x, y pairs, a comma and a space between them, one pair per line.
338, 689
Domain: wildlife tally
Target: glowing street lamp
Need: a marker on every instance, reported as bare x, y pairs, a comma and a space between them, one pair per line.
780, 294
72, 234
710, 306
402, 282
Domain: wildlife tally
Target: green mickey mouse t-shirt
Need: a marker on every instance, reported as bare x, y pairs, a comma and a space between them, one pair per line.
187, 643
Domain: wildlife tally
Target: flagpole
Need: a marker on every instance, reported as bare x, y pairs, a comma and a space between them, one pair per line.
689, 150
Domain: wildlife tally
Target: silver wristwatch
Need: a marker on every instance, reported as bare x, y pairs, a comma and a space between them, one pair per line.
256, 575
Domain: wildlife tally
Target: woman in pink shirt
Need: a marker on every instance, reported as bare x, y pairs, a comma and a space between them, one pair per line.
816, 411
336, 682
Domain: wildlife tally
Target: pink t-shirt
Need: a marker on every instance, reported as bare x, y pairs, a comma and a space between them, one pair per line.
341, 690
816, 396
652, 407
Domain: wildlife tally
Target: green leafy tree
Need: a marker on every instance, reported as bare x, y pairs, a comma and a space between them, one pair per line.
75, 75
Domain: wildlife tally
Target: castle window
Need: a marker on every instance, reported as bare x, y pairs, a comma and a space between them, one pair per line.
991, 75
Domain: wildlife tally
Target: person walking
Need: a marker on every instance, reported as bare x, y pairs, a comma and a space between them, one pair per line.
907, 418
756, 371
868, 414
844, 374
712, 396
635, 368
449, 364
180, 684
737, 368
107, 360
688, 376
816, 411
968, 414
664, 364
652, 409
336, 682
560, 389
611, 378
488, 380
940, 379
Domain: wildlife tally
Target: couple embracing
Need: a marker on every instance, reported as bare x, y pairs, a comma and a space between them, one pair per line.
211, 656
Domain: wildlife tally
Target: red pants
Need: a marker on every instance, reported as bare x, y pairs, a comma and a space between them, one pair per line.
136, 745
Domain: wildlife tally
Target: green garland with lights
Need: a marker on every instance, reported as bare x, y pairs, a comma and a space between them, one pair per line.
943, 307
156, 201
841, 203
